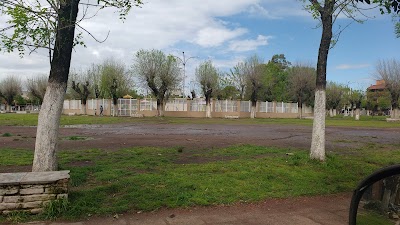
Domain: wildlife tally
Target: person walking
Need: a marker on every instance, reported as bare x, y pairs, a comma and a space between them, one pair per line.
101, 110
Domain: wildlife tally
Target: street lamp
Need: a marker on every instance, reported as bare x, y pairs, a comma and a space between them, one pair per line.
184, 61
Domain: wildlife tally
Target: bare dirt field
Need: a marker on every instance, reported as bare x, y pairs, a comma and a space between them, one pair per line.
194, 138
200, 136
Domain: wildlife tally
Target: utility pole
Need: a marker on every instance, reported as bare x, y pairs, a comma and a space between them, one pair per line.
184, 61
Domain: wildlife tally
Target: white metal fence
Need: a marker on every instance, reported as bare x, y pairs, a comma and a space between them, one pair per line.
198, 105
127, 107
177, 105
225, 106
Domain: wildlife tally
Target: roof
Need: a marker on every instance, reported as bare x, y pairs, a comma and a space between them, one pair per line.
377, 87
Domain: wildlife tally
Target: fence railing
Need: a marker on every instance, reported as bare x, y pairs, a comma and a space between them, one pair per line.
128, 107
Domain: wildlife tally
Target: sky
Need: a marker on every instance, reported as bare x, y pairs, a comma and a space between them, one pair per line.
225, 32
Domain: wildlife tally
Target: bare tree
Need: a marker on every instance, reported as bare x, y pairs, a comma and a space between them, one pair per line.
159, 73
10, 88
254, 70
302, 84
81, 86
237, 78
389, 71
37, 87
208, 78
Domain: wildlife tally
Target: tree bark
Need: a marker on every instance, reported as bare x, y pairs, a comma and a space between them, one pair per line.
253, 110
301, 111
317, 150
357, 117
49, 117
160, 108
318, 133
83, 106
208, 109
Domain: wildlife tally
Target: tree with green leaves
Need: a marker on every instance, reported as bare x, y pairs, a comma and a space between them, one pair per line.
158, 72
208, 77
115, 81
10, 87
50, 24
326, 11
301, 84
334, 97
254, 77
275, 79
355, 98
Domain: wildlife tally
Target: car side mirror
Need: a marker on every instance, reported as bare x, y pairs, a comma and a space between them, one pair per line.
376, 200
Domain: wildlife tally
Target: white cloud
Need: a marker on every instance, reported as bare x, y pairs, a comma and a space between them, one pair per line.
248, 44
352, 66
257, 10
212, 37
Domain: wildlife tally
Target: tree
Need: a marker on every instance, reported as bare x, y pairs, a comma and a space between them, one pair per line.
389, 71
237, 78
254, 72
37, 87
356, 97
229, 92
280, 60
10, 88
159, 73
275, 79
208, 78
80, 84
301, 84
33, 25
115, 81
334, 96
327, 12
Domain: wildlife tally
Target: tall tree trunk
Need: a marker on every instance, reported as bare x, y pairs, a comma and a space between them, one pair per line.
208, 109
394, 113
301, 111
357, 117
45, 158
83, 106
160, 108
331, 113
318, 134
253, 110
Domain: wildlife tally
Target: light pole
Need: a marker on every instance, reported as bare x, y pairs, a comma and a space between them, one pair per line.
184, 61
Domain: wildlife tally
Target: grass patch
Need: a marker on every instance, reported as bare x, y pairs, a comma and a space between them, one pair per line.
147, 178
372, 218
6, 134
76, 138
12, 119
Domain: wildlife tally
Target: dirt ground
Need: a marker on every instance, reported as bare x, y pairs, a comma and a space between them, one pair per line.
202, 137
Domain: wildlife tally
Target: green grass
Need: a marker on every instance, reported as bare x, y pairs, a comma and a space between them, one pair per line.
148, 178
12, 119
372, 218
6, 134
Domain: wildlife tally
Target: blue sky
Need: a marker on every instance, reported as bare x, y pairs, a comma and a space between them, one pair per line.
226, 32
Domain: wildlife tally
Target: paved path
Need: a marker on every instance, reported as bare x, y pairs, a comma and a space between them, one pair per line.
327, 210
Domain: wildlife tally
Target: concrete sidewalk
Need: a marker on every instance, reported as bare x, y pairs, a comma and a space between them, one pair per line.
325, 210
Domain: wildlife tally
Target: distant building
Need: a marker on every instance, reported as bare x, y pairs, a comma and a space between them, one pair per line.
379, 86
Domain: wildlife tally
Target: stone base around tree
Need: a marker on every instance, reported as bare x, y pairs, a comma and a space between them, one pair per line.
31, 191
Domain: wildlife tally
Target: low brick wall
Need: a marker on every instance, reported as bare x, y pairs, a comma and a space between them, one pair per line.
31, 191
